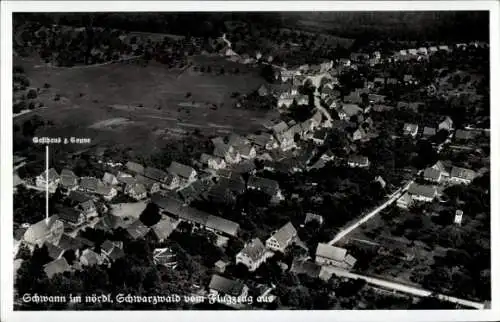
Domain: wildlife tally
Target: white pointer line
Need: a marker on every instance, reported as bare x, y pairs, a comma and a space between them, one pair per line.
47, 183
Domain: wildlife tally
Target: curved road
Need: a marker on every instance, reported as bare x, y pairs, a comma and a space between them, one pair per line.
404, 288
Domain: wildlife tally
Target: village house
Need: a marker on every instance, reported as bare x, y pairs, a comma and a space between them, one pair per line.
68, 181
282, 238
224, 286
47, 230
334, 256
50, 180
155, 174
349, 110
89, 184
186, 173
253, 254
212, 162
110, 179
433, 175
137, 230
172, 182
461, 175
90, 258
88, 208
359, 135
311, 269
72, 216
463, 135
57, 266
134, 167
267, 186
428, 132
106, 192
404, 201
111, 251
422, 192
246, 151
376, 98
162, 229
310, 217
55, 252
320, 136
226, 152
279, 128
264, 141
286, 140
446, 124
136, 191
220, 266
443, 169
410, 129
358, 161
152, 186
165, 257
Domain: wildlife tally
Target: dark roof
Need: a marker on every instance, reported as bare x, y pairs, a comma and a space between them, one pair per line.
268, 186
254, 249
69, 214
180, 170
303, 267
89, 183
54, 251
67, 242
432, 174
137, 229
285, 234
462, 173
116, 253
422, 190
226, 285
109, 221
358, 159
222, 225
135, 167
155, 174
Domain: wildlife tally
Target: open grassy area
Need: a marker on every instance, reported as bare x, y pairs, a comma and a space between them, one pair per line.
146, 103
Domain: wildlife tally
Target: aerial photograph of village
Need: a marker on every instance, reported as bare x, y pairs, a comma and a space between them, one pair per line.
251, 160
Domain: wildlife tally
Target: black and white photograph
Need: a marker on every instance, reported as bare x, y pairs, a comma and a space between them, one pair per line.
248, 160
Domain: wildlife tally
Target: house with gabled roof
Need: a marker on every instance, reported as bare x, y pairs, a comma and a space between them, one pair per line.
68, 181
446, 124
226, 152
282, 238
137, 229
433, 175
334, 256
55, 252
444, 169
462, 175
106, 192
50, 180
310, 217
90, 258
253, 254
136, 191
212, 162
349, 110
320, 136
359, 135
155, 174
152, 186
310, 269
110, 179
429, 131
172, 182
135, 167
404, 201
165, 257
71, 216
410, 129
55, 267
225, 286
358, 161
184, 172
88, 208
268, 186
162, 229
46, 230
89, 184
420, 192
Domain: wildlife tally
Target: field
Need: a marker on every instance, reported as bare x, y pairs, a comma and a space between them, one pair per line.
139, 106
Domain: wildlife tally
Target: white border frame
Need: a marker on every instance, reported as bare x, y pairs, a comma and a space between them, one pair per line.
7, 314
